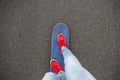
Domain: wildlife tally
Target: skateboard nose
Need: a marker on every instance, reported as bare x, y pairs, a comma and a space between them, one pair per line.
60, 25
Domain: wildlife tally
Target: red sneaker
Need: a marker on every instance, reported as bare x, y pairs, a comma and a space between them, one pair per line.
56, 66
61, 41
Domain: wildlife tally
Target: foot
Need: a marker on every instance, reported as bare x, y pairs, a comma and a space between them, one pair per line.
56, 66
62, 41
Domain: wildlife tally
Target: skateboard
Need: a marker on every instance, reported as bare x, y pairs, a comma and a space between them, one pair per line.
55, 50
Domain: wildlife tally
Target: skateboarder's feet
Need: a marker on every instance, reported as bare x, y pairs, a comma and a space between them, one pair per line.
55, 65
61, 41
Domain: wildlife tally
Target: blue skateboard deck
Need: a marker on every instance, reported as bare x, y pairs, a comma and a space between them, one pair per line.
55, 52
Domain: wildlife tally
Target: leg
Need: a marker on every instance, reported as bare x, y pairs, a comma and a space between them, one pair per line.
73, 69
52, 76
61, 75
59, 71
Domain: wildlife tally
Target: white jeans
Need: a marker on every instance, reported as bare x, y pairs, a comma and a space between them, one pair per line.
73, 69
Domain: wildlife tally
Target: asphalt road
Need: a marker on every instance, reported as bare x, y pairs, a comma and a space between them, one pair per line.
26, 29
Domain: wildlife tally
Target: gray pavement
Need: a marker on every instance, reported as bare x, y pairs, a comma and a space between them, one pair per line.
26, 29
